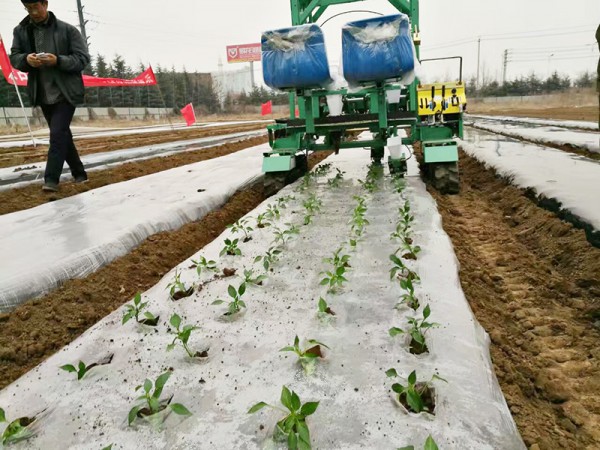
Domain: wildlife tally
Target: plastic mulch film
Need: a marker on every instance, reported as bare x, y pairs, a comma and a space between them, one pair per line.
295, 58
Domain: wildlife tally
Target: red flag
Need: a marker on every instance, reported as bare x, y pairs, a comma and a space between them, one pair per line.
296, 112
266, 108
188, 114
146, 78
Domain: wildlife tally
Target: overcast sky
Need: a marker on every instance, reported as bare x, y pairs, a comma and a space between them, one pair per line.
540, 35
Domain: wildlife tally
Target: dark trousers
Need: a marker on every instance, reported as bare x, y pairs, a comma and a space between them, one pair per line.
62, 148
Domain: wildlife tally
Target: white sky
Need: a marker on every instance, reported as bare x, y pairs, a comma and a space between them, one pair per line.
542, 35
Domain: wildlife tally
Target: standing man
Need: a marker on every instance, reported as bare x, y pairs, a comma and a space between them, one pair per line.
54, 54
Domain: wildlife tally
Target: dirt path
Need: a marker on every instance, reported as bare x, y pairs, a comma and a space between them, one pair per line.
15, 156
37, 329
588, 113
30, 196
533, 282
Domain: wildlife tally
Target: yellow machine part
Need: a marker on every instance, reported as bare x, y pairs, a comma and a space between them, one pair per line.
454, 98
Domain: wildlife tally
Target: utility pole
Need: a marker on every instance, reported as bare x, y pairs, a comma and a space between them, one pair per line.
505, 63
82, 23
478, 57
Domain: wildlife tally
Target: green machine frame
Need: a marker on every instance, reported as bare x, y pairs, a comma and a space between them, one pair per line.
291, 139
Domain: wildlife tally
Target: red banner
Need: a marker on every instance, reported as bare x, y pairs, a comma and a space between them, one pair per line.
243, 53
146, 78
266, 108
188, 114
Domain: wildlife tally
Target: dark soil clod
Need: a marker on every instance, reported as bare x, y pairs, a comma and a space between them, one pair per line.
182, 294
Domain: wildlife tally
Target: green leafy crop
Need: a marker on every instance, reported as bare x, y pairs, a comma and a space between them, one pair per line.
324, 307
409, 296
204, 265
269, 258
241, 226
334, 279
182, 335
429, 445
416, 396
151, 402
400, 270
236, 305
250, 278
231, 248
417, 331
134, 311
82, 368
16, 430
293, 426
177, 288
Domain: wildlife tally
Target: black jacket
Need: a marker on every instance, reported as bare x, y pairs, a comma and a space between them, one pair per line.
72, 57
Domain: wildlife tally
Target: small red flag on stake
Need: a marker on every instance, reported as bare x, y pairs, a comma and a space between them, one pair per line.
296, 112
266, 108
188, 114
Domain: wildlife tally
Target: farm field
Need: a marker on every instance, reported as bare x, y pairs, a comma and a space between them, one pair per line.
528, 270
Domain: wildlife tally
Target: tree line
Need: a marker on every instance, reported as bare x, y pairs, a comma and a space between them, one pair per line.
529, 85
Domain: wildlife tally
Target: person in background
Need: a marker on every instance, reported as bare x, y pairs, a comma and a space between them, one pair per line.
54, 54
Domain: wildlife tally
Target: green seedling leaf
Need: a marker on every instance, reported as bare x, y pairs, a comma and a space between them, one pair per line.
257, 407
437, 377
412, 378
231, 291
218, 302
69, 368
309, 408
414, 401
391, 373
288, 349
147, 386
2, 416
292, 441
296, 404
108, 447
430, 444
286, 398
175, 321
179, 409
394, 331
160, 384
133, 414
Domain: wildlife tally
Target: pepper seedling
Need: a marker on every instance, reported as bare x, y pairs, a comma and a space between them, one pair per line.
203, 264
269, 258
272, 212
283, 236
262, 221
293, 426
322, 169
338, 259
82, 368
134, 311
178, 289
152, 403
409, 297
250, 278
335, 181
241, 226
237, 304
231, 248
400, 270
415, 396
16, 430
306, 356
429, 445
334, 279
324, 307
409, 251
182, 335
419, 328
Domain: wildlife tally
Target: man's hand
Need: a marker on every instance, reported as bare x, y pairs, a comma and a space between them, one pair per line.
33, 60
48, 60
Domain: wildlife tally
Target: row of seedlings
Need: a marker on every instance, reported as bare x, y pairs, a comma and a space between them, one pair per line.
292, 428
414, 396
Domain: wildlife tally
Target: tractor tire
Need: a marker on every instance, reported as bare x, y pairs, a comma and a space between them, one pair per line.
444, 177
274, 182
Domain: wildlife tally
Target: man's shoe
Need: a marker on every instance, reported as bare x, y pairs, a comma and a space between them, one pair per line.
49, 186
81, 179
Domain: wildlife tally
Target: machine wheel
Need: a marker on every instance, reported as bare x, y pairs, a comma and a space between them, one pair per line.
275, 181
377, 155
444, 177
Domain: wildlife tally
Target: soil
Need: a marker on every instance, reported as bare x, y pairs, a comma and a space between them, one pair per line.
31, 195
587, 113
14, 156
533, 282
37, 329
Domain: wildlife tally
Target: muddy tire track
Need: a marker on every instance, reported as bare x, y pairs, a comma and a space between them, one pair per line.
533, 282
